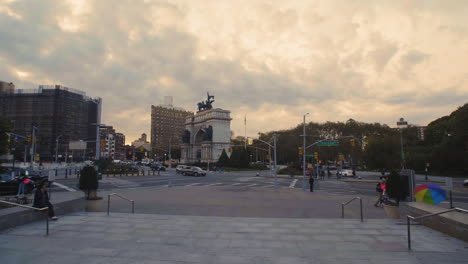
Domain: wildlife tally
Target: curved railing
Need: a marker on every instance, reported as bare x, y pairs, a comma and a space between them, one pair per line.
32, 208
122, 197
344, 204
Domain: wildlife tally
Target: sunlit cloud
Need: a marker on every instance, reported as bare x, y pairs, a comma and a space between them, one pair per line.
373, 61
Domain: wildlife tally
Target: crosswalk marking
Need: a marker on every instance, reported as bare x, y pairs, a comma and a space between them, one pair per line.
64, 187
214, 184
193, 184
236, 184
293, 183
251, 185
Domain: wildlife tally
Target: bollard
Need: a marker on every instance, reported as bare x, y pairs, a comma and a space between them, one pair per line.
108, 203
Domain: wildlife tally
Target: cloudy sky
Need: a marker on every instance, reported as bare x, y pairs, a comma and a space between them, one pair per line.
274, 60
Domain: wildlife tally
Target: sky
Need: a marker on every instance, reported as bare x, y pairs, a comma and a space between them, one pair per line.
272, 60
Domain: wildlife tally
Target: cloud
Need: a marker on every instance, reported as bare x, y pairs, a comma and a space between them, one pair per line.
274, 60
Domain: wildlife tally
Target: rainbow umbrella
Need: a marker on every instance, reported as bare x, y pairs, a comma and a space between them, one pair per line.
429, 193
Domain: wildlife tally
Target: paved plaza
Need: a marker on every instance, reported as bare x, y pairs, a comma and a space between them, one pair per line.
227, 225
147, 238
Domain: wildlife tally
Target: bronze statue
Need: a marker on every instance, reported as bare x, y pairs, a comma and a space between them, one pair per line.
206, 105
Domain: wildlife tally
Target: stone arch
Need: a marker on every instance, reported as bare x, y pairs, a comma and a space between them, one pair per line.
199, 136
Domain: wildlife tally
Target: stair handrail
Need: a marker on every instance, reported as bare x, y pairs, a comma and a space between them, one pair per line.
415, 218
344, 204
35, 209
122, 197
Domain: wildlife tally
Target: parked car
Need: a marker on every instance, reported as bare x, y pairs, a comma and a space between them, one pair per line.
195, 171
157, 166
182, 168
465, 183
9, 186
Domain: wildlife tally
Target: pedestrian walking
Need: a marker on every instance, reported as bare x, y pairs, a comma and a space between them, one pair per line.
41, 200
311, 183
381, 187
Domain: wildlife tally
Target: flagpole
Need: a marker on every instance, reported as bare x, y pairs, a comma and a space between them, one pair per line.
245, 131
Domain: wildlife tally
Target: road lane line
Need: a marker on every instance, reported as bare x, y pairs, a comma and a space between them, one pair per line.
251, 185
193, 184
293, 183
213, 184
236, 184
64, 187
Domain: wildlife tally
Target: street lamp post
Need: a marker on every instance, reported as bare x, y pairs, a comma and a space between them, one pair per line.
304, 154
33, 145
274, 153
402, 124
56, 148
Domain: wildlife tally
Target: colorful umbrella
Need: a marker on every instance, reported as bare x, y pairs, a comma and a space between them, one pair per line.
429, 193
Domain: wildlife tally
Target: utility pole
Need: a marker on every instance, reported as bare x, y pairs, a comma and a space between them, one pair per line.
170, 153
304, 155
276, 170
33, 146
56, 148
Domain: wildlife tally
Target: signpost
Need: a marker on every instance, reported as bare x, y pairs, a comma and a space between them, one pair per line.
449, 186
328, 143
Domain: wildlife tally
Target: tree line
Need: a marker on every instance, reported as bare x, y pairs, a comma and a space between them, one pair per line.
376, 146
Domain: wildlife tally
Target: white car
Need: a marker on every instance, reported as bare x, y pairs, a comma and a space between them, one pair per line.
465, 183
346, 172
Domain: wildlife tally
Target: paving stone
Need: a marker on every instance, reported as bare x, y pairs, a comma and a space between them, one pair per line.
213, 240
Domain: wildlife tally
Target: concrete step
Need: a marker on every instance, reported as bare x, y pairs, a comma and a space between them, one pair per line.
153, 238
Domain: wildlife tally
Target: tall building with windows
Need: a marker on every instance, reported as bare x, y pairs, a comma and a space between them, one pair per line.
112, 143
60, 114
6, 87
167, 127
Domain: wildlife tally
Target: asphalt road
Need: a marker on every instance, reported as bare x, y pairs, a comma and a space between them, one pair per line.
249, 178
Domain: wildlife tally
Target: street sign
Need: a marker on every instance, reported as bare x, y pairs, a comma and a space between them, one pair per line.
309, 155
328, 143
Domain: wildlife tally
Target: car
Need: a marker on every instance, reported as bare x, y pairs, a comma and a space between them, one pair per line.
9, 186
195, 171
156, 166
182, 168
465, 183
346, 172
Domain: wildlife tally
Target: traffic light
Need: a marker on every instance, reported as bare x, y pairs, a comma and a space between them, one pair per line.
229, 149
301, 150
29, 139
316, 155
353, 142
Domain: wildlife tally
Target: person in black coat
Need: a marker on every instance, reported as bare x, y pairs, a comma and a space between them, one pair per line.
41, 199
311, 183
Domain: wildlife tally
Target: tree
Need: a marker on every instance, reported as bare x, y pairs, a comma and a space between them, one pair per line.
235, 159
397, 187
383, 153
223, 159
5, 127
89, 182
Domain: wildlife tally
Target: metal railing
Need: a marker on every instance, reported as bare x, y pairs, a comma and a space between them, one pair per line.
35, 209
409, 218
121, 196
360, 203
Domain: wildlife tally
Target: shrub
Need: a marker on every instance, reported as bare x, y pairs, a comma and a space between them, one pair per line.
397, 187
88, 179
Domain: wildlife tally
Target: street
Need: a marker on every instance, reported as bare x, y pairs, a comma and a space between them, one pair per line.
247, 179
